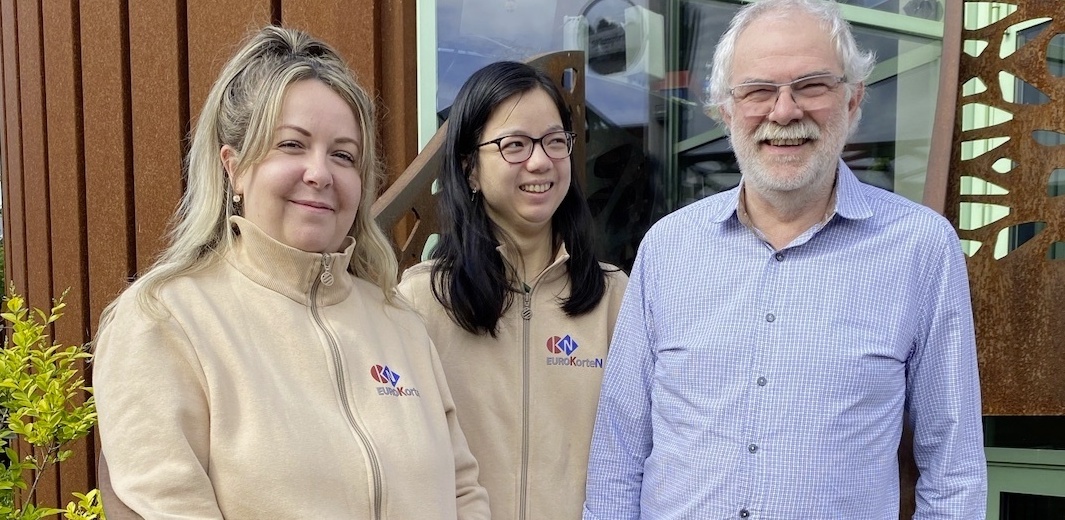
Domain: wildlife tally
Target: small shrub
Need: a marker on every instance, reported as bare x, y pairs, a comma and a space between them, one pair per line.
39, 387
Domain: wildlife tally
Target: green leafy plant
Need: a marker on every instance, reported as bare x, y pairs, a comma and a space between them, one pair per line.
39, 393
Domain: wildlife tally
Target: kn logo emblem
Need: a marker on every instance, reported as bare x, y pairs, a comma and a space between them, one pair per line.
562, 349
390, 379
564, 345
384, 375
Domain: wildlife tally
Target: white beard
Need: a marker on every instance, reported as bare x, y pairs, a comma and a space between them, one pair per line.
791, 180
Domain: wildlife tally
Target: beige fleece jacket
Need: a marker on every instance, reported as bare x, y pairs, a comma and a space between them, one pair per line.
527, 398
263, 392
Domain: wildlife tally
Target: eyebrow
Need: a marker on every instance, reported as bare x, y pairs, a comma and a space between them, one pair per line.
303, 131
507, 132
800, 77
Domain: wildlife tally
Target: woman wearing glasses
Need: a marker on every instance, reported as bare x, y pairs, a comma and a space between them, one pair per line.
518, 306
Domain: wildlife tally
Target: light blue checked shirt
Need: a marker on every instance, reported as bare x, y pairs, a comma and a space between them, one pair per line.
749, 383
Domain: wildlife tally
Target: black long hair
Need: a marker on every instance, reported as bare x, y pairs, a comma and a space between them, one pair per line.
469, 277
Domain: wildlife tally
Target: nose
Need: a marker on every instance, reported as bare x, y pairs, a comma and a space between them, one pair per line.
538, 161
785, 109
317, 172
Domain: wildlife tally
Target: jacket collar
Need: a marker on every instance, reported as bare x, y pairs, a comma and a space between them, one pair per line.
289, 271
553, 271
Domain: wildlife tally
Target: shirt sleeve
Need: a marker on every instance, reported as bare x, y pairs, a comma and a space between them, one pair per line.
153, 415
621, 439
472, 499
943, 395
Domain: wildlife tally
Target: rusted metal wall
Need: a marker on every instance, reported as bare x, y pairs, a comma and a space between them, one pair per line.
96, 99
1020, 321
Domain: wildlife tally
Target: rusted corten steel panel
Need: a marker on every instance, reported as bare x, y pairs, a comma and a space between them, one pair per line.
34, 189
398, 86
345, 26
66, 188
35, 195
160, 115
215, 29
410, 196
34, 156
5, 196
1020, 322
15, 224
108, 156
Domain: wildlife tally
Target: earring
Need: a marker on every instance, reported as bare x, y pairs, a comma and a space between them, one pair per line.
473, 194
236, 199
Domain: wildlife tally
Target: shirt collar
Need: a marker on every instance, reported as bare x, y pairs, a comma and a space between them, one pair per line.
852, 202
848, 200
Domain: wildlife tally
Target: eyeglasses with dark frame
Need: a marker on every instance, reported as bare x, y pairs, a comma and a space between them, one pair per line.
808, 93
516, 149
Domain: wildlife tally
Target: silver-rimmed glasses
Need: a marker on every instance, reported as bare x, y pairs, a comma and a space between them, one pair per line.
517, 149
809, 93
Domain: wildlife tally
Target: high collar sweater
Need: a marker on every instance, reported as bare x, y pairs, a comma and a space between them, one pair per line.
262, 391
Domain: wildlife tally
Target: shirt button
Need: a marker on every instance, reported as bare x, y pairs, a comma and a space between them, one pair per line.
770, 318
752, 448
744, 513
779, 257
762, 381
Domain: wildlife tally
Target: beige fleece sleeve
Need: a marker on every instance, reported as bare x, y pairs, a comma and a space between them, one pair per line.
153, 416
616, 282
407, 288
472, 499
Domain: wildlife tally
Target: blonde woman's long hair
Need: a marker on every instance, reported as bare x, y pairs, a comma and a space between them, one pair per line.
241, 111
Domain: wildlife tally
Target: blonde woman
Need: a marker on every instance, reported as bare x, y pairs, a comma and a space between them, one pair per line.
260, 369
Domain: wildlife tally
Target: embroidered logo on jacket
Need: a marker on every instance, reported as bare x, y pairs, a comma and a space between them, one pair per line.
386, 376
567, 346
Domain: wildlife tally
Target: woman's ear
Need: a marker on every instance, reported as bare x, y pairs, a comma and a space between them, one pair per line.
471, 175
475, 184
229, 163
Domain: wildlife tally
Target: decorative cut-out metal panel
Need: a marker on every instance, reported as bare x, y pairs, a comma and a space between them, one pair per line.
1007, 197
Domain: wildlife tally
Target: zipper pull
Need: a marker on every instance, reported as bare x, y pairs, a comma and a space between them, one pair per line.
526, 309
326, 277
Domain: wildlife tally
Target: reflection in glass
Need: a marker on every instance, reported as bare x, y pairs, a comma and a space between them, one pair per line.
1026, 31
978, 15
1028, 432
1056, 56
1020, 506
1013, 237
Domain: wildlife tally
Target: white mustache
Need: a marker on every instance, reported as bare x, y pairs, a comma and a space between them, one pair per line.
802, 129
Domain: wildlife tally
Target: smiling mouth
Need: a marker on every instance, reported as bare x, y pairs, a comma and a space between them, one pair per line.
314, 204
537, 188
786, 142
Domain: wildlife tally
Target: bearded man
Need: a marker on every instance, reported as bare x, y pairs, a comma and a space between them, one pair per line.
772, 336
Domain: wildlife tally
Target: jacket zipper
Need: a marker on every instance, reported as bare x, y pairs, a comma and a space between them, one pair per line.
526, 316
326, 278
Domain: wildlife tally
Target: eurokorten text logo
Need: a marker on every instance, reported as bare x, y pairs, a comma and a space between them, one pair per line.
563, 347
390, 379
